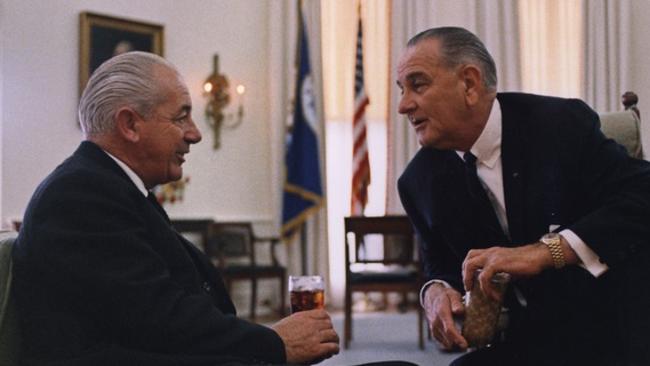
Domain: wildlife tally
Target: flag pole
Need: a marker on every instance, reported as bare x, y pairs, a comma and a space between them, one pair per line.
302, 192
303, 226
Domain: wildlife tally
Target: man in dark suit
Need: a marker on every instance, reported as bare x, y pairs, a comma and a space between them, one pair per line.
557, 205
101, 277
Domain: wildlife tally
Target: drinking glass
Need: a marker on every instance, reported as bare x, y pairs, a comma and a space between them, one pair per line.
306, 293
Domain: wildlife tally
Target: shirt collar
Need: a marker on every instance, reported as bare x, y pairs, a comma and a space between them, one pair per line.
134, 177
487, 147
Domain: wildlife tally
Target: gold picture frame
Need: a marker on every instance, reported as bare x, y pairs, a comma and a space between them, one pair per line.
102, 37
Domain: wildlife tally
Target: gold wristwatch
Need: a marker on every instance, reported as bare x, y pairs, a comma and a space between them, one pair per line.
554, 244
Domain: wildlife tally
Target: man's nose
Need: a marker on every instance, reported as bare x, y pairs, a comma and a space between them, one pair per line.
406, 104
193, 135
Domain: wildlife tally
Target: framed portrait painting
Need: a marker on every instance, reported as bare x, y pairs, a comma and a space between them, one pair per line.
102, 37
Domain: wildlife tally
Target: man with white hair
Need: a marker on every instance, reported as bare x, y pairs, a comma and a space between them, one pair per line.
101, 277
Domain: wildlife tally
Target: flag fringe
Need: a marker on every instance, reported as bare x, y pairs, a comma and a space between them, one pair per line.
289, 230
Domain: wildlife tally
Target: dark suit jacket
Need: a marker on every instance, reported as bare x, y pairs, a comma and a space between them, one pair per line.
558, 169
101, 278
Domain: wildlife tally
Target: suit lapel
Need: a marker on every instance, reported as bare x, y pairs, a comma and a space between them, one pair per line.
450, 193
512, 158
154, 202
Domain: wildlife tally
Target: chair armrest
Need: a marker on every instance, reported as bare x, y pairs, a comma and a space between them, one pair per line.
273, 240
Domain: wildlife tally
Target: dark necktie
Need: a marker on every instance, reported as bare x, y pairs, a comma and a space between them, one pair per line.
474, 186
482, 205
492, 230
154, 201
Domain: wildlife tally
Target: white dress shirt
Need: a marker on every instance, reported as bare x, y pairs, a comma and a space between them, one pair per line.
134, 177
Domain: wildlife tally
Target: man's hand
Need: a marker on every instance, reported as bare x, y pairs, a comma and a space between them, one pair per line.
440, 306
525, 261
308, 336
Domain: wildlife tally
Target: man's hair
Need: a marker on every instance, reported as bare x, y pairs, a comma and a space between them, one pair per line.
460, 46
124, 80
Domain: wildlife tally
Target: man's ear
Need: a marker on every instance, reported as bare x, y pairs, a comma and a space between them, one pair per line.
127, 123
473, 81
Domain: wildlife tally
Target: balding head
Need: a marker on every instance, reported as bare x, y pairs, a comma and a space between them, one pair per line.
460, 46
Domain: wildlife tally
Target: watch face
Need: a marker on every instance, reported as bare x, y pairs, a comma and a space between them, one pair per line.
550, 237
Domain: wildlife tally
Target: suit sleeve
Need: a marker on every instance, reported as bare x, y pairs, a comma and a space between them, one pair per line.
615, 223
96, 249
438, 261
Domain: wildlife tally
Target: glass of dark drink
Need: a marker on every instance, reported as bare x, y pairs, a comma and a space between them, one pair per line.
306, 292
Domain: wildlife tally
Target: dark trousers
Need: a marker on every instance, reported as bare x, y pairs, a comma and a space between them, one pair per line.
504, 356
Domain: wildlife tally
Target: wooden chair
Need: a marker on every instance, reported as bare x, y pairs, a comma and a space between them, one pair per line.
395, 268
232, 246
198, 227
624, 126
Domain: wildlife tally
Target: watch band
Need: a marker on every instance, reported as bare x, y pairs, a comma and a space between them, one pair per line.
554, 245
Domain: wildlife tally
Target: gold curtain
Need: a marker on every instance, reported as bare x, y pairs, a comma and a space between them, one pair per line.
552, 46
339, 19
339, 36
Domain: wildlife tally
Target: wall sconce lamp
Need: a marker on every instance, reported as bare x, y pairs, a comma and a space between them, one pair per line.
216, 89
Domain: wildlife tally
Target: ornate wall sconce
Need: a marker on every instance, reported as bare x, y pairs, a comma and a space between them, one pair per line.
216, 89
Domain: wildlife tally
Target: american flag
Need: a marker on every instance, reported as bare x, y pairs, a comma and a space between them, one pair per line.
360, 163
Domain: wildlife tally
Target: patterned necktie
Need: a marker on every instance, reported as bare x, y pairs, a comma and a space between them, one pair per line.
483, 206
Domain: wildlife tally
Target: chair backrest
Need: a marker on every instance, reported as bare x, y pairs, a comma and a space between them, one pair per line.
382, 239
231, 243
624, 126
9, 334
194, 227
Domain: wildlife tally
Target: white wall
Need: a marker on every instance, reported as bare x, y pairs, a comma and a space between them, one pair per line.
640, 66
38, 100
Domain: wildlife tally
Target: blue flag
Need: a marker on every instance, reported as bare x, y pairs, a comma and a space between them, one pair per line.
302, 189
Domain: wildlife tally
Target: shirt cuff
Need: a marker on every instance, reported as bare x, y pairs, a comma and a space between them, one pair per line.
426, 286
589, 259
